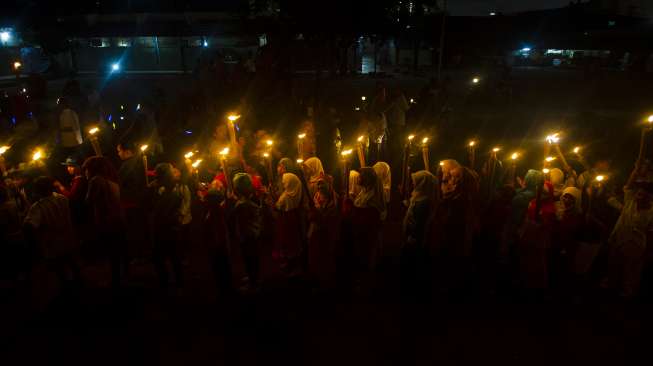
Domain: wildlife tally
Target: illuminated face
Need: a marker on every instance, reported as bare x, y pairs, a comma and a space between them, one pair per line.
123, 154
451, 178
568, 201
70, 169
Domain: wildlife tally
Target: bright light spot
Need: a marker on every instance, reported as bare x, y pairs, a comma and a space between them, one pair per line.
138, 107
299, 161
205, 43
5, 36
475, 80
24, 90
363, 98
196, 163
189, 155
360, 138
144, 147
357, 108
650, 119
233, 117
412, 101
346, 152
115, 67
188, 132
546, 171
122, 107
269, 142
3, 149
122, 118
38, 154
411, 137
442, 163
472, 143
496, 149
17, 65
600, 178
266, 155
301, 136
526, 49
425, 140
576, 149
514, 156
224, 151
492, 14
93, 130
113, 125
549, 159
553, 139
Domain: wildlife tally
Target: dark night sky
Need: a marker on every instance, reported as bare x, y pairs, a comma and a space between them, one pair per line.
483, 7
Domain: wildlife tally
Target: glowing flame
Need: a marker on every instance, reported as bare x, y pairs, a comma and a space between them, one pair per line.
545, 171
360, 138
301, 136
196, 163
189, 155
472, 143
514, 156
346, 152
425, 140
269, 142
411, 137
224, 152
299, 161
576, 149
475, 80
93, 130
38, 154
553, 139
17, 65
442, 163
266, 155
549, 159
363, 98
3, 149
496, 149
650, 119
144, 147
600, 178
233, 117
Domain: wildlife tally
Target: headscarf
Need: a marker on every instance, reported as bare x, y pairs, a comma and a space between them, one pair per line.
314, 169
452, 179
382, 170
243, 185
291, 197
325, 196
557, 179
425, 186
577, 194
371, 194
289, 166
354, 184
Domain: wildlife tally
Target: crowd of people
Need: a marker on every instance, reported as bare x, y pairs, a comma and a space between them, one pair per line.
551, 231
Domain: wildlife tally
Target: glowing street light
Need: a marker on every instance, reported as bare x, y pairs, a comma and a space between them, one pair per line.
5, 36
115, 66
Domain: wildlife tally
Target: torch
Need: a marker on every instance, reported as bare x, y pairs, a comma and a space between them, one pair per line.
647, 127
223, 165
472, 154
577, 150
300, 145
268, 159
3, 150
493, 168
513, 168
95, 141
345, 171
361, 152
405, 169
143, 150
425, 153
232, 129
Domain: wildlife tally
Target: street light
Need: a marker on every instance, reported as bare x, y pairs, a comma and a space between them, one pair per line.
115, 66
5, 36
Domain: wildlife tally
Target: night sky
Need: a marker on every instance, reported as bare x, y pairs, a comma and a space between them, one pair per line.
482, 7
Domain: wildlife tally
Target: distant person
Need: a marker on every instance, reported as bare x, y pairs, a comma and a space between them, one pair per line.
132, 197
69, 128
247, 226
48, 228
75, 191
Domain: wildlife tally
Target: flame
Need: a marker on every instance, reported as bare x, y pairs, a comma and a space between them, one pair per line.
301, 136
38, 154
233, 117
144, 147
472, 143
196, 163
93, 130
496, 149
3, 149
360, 138
269, 142
189, 155
411, 137
549, 159
266, 155
514, 156
425, 140
224, 152
346, 152
545, 171
299, 161
553, 138
600, 178
576, 149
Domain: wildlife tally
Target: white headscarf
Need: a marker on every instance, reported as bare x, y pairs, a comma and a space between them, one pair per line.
291, 198
425, 186
384, 174
314, 169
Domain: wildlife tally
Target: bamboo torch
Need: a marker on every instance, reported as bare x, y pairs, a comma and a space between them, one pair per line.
143, 149
300, 146
94, 141
472, 154
345, 171
405, 169
223, 165
425, 154
513, 168
361, 152
642, 141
